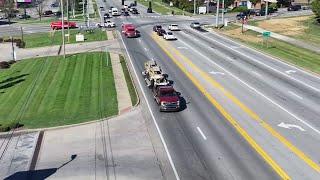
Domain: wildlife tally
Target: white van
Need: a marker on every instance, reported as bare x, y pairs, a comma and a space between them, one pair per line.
114, 12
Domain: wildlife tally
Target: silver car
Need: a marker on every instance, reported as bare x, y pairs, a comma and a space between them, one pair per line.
195, 25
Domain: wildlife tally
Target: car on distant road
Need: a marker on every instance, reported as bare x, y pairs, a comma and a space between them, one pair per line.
106, 15
126, 13
173, 27
160, 32
195, 25
156, 27
110, 9
101, 8
169, 36
135, 11
23, 16
58, 25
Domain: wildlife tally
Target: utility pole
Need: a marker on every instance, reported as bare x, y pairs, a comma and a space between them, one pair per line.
13, 56
266, 15
62, 23
217, 17
68, 21
194, 7
88, 15
222, 14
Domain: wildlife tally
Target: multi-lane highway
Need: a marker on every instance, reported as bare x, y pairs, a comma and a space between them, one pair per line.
246, 114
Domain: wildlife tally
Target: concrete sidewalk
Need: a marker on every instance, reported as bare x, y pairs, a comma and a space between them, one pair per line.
285, 38
110, 45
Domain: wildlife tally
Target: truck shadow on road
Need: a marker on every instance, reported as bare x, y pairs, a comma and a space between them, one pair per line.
37, 174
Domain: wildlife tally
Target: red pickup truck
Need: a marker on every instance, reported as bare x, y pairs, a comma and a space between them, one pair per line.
58, 25
167, 98
129, 30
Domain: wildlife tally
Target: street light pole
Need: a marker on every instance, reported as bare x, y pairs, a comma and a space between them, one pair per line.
266, 15
13, 58
217, 17
62, 26
222, 14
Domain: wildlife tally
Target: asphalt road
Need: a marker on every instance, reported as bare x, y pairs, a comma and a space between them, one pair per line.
247, 115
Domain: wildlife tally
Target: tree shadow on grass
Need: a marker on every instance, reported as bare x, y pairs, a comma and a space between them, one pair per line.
37, 174
9, 82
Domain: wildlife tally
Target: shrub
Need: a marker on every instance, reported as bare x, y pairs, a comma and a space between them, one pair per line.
20, 44
11, 62
1, 40
239, 9
4, 65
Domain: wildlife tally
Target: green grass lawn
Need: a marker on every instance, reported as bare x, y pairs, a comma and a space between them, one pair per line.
132, 91
66, 91
163, 8
295, 55
312, 33
44, 39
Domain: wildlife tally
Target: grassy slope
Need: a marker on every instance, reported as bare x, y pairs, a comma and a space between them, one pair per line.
132, 91
164, 10
288, 52
44, 39
67, 91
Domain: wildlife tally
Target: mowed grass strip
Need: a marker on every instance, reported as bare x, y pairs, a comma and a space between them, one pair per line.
132, 90
73, 90
45, 39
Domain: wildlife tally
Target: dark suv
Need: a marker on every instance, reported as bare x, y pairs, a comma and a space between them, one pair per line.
156, 27
160, 32
294, 8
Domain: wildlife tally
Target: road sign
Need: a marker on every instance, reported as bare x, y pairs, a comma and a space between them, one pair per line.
266, 34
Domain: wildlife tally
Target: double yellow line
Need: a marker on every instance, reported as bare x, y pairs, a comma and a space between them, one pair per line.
263, 154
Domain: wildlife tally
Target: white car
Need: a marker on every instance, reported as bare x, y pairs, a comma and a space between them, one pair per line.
173, 27
109, 24
169, 36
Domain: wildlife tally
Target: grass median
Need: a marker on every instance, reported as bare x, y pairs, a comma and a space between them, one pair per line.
55, 38
42, 93
295, 55
132, 90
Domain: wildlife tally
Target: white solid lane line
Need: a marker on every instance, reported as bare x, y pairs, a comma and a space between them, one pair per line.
230, 59
297, 80
256, 73
139, 41
152, 115
203, 136
255, 90
295, 95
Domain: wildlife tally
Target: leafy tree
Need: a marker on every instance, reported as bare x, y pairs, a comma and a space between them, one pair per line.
316, 9
7, 7
40, 8
254, 2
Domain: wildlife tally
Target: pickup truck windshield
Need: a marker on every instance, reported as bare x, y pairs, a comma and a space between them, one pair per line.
168, 93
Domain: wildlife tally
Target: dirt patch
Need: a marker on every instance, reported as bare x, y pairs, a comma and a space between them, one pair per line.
238, 34
287, 26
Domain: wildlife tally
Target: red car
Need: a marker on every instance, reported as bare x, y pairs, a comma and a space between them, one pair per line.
129, 30
58, 25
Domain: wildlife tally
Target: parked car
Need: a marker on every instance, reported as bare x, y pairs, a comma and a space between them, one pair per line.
262, 13
23, 16
48, 12
55, 5
294, 8
57, 14
173, 27
195, 25
160, 32
242, 15
169, 36
156, 27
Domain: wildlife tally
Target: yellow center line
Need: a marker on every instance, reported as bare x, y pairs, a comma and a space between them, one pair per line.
260, 151
248, 111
